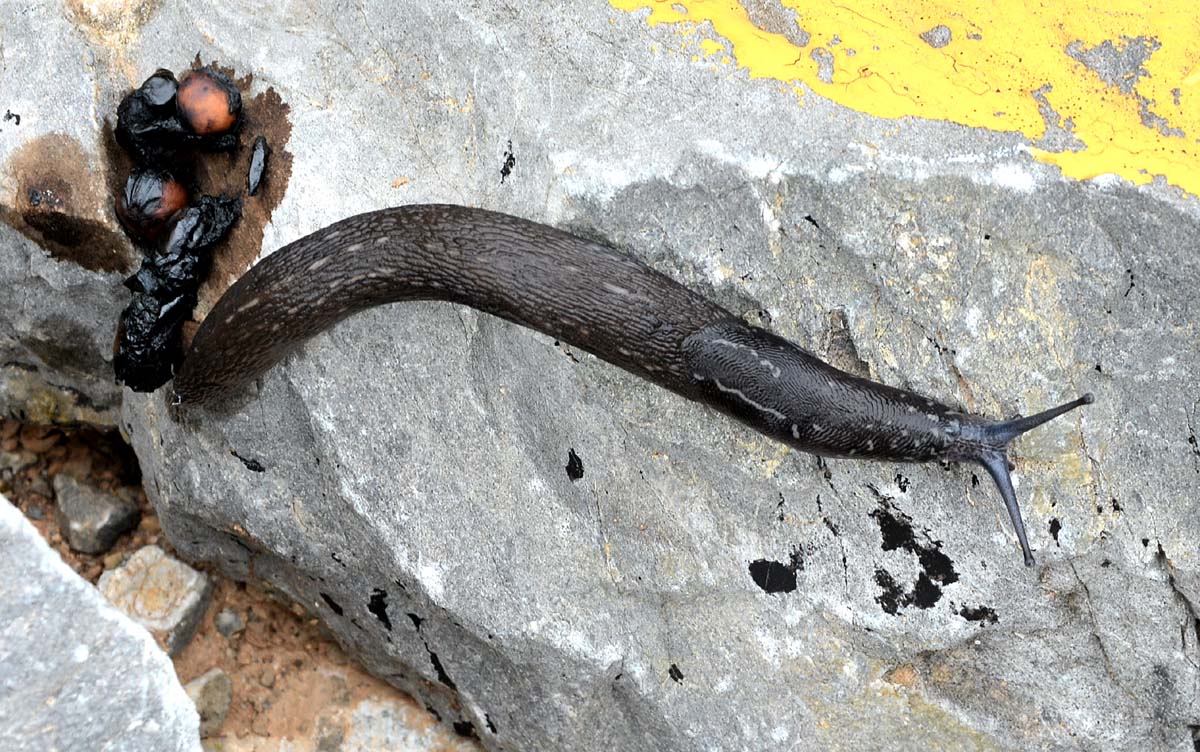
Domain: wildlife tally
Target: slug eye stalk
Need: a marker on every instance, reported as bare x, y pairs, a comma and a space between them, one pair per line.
993, 455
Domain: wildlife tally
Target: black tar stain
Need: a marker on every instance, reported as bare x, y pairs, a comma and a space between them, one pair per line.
574, 465
777, 577
938, 570
378, 607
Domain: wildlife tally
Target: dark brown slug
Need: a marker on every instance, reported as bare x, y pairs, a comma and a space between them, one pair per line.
599, 300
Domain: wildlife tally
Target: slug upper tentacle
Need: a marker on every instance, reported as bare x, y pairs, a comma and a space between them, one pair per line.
595, 298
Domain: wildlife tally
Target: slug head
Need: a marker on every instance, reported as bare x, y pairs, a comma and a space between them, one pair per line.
987, 444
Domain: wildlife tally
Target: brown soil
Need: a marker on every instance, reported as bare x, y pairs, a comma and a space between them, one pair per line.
291, 681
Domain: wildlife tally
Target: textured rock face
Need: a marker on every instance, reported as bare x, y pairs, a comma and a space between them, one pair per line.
555, 555
62, 256
77, 673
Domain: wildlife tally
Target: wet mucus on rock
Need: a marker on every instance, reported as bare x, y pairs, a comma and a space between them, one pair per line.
162, 120
149, 336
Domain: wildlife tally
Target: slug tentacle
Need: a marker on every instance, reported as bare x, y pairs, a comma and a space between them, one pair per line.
597, 299
987, 444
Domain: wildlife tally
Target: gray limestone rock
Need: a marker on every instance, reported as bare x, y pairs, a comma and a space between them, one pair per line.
77, 673
92, 519
404, 475
159, 592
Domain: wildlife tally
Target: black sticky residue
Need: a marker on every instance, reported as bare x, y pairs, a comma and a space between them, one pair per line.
378, 607
490, 724
902, 483
982, 614
1055, 527
465, 729
252, 465
675, 674
10, 115
809, 219
574, 465
777, 577
510, 161
897, 532
333, 605
416, 620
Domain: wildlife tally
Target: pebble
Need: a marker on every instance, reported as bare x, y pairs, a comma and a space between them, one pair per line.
267, 677
162, 594
212, 692
228, 623
35, 512
92, 519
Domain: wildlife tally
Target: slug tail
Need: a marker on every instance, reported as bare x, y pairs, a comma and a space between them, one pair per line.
997, 465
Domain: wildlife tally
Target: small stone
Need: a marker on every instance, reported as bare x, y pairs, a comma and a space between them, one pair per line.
38, 439
16, 461
937, 37
113, 560
228, 623
35, 512
904, 676
92, 519
150, 525
329, 735
267, 677
162, 594
212, 692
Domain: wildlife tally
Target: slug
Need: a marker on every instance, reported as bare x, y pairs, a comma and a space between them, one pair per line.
597, 299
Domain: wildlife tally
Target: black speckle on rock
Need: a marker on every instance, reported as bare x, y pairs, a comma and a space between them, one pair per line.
10, 115
1055, 526
510, 161
1116, 506
333, 605
378, 607
777, 577
333, 555
252, 465
416, 620
902, 483
675, 674
465, 729
891, 594
809, 219
982, 614
488, 720
574, 465
897, 533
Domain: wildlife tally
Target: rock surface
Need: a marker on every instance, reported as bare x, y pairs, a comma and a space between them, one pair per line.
407, 476
77, 674
62, 256
92, 519
159, 592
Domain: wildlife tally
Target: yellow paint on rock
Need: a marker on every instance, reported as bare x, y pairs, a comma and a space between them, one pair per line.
999, 60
